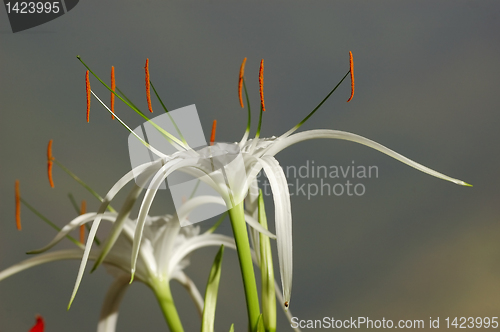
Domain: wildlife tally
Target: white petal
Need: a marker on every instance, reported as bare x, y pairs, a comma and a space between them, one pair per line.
191, 288
158, 179
197, 242
109, 311
118, 224
335, 134
77, 222
42, 259
107, 199
283, 221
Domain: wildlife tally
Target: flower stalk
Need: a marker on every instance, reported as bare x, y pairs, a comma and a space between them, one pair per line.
161, 288
237, 216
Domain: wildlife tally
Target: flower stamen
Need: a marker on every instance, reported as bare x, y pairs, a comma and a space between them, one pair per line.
351, 70
87, 88
50, 164
18, 206
261, 85
240, 82
214, 128
148, 88
113, 86
83, 210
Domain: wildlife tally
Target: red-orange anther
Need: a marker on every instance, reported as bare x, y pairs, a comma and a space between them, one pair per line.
87, 88
18, 206
50, 163
261, 85
113, 86
351, 70
39, 325
214, 128
148, 89
83, 210
240, 82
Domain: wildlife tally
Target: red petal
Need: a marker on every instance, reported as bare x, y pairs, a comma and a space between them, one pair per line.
39, 326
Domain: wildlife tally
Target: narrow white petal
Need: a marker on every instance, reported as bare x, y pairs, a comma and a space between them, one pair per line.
258, 227
287, 312
335, 134
158, 179
109, 311
283, 221
118, 224
205, 240
42, 259
193, 291
107, 199
75, 223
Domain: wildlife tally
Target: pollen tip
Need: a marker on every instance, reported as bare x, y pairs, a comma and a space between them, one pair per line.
286, 304
351, 70
214, 129
240, 81
261, 85
50, 159
18, 206
87, 88
148, 88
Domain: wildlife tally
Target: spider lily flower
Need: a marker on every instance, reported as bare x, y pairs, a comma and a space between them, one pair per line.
257, 154
163, 255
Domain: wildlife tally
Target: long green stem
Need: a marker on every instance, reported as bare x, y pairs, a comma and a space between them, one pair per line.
237, 217
161, 288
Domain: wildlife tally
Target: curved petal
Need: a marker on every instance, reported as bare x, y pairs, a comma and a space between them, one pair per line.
336, 134
93, 230
193, 291
77, 222
193, 203
118, 224
42, 259
283, 221
197, 242
157, 180
109, 311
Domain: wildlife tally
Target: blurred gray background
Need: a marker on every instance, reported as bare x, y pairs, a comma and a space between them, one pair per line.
427, 75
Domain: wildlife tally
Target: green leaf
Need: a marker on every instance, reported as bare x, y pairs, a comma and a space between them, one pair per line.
208, 319
267, 272
232, 328
260, 325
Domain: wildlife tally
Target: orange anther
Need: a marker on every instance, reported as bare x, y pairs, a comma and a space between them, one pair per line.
261, 85
351, 70
240, 82
148, 89
87, 86
113, 86
214, 128
18, 206
50, 163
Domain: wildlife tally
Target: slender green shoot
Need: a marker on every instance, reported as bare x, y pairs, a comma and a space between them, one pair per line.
161, 130
315, 109
267, 273
48, 222
208, 318
217, 224
166, 111
83, 184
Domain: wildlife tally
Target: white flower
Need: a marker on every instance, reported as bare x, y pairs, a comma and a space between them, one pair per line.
258, 154
163, 256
